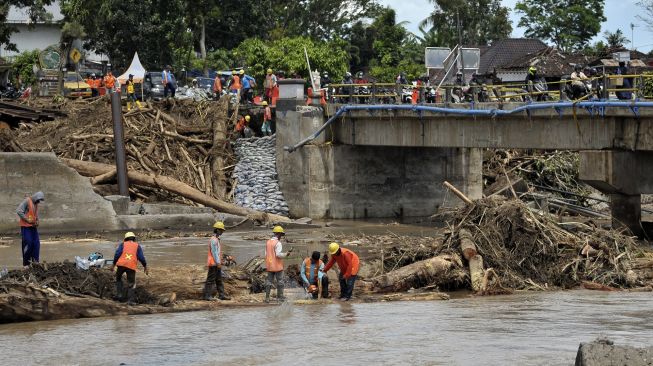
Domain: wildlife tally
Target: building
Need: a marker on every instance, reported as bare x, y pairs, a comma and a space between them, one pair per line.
33, 36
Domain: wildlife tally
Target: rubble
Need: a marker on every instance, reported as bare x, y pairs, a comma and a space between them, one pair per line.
256, 174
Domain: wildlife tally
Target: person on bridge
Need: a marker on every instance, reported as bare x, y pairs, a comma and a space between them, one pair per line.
274, 263
348, 264
269, 84
28, 215
313, 277
266, 128
127, 256
214, 264
249, 83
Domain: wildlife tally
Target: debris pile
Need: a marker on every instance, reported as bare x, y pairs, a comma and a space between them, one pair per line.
187, 141
65, 278
530, 250
256, 176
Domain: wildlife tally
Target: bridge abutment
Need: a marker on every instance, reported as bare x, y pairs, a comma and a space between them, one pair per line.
329, 180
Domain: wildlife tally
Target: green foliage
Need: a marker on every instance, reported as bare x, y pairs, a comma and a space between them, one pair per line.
23, 66
648, 85
569, 24
288, 54
616, 39
481, 21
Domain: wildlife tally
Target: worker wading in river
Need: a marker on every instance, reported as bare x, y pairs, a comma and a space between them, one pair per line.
313, 278
348, 264
28, 215
214, 264
274, 263
127, 256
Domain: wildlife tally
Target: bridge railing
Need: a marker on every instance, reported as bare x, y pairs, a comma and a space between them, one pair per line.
392, 93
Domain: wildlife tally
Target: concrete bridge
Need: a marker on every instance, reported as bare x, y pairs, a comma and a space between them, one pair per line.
390, 160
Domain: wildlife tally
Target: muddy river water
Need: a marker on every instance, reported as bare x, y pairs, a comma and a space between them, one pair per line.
522, 329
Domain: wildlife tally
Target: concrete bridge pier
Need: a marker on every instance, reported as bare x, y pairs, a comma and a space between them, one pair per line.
325, 179
624, 176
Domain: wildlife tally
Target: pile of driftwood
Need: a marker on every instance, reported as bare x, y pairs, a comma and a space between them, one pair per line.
65, 278
525, 249
187, 142
553, 172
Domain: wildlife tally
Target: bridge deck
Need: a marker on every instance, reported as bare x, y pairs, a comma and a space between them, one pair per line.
579, 128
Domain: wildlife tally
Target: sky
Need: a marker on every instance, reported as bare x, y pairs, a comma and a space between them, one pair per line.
620, 14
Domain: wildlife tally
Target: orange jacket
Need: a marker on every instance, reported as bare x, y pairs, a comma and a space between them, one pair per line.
236, 83
32, 214
267, 114
217, 85
128, 258
272, 262
347, 262
109, 81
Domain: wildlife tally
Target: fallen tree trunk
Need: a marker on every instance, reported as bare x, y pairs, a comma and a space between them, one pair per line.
476, 272
91, 169
219, 128
103, 178
441, 271
467, 246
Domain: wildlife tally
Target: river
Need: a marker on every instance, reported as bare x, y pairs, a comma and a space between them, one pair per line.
523, 329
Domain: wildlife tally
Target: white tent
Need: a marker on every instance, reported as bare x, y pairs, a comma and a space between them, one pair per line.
135, 69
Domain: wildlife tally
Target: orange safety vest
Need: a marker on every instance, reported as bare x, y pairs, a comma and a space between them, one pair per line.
32, 214
209, 260
267, 114
307, 264
128, 258
272, 262
109, 81
217, 84
236, 83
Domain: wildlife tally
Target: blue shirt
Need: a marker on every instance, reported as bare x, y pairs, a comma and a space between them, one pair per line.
216, 249
168, 76
311, 279
247, 81
139, 255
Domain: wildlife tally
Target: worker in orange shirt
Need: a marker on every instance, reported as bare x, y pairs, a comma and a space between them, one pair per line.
110, 82
274, 263
235, 86
348, 264
217, 86
127, 256
241, 125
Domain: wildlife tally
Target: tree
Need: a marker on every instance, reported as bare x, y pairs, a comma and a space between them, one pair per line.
35, 10
482, 21
616, 39
568, 24
647, 6
153, 28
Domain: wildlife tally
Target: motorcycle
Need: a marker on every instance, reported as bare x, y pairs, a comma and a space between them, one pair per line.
10, 92
540, 90
430, 95
577, 90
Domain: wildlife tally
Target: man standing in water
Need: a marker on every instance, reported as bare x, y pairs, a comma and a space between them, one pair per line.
274, 263
214, 262
28, 214
348, 264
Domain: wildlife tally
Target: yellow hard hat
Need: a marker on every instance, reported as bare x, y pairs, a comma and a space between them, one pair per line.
219, 225
333, 248
264, 103
233, 72
247, 118
242, 72
130, 235
269, 71
278, 230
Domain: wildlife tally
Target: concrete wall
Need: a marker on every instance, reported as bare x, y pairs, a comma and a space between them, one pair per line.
70, 203
323, 180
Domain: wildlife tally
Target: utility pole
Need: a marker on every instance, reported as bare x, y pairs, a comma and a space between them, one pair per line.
632, 36
460, 45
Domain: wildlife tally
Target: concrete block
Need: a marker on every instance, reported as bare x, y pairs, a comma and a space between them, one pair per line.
120, 204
